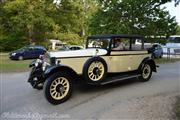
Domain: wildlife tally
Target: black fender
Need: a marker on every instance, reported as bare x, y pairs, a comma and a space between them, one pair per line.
59, 68
150, 61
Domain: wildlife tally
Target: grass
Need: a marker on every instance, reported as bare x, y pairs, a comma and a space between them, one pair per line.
8, 65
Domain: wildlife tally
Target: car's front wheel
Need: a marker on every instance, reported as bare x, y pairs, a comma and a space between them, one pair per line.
146, 72
58, 88
20, 58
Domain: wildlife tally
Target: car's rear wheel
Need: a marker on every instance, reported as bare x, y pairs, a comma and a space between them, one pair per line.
146, 72
95, 69
58, 88
161, 55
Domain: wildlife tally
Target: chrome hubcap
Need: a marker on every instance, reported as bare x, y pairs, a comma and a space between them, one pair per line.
96, 70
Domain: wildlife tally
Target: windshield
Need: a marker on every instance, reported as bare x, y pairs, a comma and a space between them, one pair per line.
98, 43
174, 39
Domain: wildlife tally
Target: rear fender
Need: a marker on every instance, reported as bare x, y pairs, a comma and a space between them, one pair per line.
150, 61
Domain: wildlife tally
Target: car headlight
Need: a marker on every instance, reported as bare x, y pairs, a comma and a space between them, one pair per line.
44, 65
36, 64
13, 54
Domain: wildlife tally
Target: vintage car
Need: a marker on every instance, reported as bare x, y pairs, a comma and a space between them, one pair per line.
99, 63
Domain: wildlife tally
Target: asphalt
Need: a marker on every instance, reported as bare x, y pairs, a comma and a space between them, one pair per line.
112, 101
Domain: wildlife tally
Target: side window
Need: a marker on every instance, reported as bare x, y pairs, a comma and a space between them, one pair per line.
30, 48
136, 44
120, 44
36, 49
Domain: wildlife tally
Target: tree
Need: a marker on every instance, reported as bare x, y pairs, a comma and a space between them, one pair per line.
26, 18
133, 17
33, 21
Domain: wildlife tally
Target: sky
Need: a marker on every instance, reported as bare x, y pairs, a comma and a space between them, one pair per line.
174, 11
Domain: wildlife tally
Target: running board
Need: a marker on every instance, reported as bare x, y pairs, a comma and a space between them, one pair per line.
119, 78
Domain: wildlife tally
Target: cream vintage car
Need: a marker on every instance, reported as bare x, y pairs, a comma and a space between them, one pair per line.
99, 63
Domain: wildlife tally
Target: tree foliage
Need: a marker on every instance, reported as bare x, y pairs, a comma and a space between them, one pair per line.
34, 21
133, 17
24, 22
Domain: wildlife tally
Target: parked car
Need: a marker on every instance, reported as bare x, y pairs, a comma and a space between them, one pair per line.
70, 47
74, 47
27, 52
99, 63
157, 51
173, 45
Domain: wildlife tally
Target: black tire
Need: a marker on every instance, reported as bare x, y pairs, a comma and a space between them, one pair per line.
96, 74
146, 72
49, 85
161, 55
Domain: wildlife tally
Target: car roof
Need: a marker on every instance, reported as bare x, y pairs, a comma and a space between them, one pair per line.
115, 36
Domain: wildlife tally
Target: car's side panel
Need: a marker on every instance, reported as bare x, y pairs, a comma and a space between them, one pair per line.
76, 63
121, 61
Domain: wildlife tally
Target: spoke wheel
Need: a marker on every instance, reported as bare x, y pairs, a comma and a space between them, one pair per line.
58, 87
96, 70
146, 73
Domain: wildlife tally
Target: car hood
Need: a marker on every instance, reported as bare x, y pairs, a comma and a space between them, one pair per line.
78, 53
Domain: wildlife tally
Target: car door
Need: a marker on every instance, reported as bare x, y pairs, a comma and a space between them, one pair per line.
120, 60
33, 52
37, 52
27, 52
127, 59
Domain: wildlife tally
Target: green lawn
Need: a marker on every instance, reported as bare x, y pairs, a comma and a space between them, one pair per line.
7, 65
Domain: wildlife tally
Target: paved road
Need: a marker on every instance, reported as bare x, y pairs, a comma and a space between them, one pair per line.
122, 100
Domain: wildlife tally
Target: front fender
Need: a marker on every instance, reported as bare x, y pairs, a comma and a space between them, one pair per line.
59, 68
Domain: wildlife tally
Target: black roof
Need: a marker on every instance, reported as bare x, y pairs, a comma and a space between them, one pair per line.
115, 36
